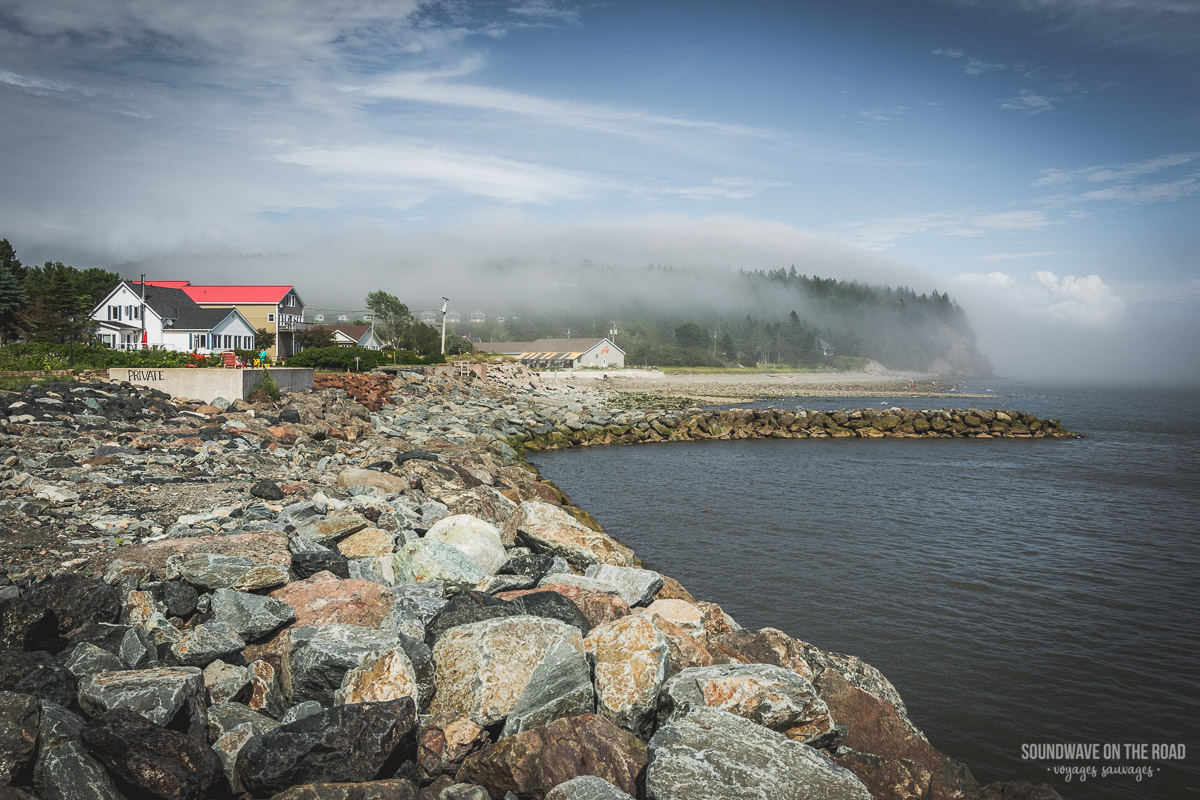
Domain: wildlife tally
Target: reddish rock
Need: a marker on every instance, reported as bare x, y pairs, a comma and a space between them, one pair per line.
324, 599
673, 590
283, 434
445, 740
531, 763
682, 650
597, 607
888, 778
766, 646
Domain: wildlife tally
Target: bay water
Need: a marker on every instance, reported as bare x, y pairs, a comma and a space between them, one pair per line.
1018, 593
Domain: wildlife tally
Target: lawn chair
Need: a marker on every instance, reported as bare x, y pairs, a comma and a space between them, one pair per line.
230, 360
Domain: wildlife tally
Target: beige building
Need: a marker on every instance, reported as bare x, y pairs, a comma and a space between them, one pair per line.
560, 353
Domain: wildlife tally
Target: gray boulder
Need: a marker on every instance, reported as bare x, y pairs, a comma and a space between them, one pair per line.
316, 659
714, 755
207, 643
587, 787
64, 770
772, 696
560, 686
251, 615
635, 586
215, 571
158, 694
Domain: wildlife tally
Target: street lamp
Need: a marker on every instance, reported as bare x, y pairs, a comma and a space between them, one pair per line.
445, 302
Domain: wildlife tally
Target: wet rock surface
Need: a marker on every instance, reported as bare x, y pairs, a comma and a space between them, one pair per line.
363, 591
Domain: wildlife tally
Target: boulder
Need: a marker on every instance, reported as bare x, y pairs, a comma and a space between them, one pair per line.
385, 482
316, 660
37, 673
484, 667
474, 538
891, 778
42, 617
87, 659
631, 660
325, 599
596, 606
311, 562
346, 743
587, 787
224, 681
560, 686
427, 560
155, 760
1013, 790
686, 615
532, 763
444, 740
390, 789
470, 607
167, 696
711, 754
682, 650
208, 642
330, 529
64, 770
368, 543
386, 676
772, 696
548, 529
20, 716
252, 616
210, 571
635, 586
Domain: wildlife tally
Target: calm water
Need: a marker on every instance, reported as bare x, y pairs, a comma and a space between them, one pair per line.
1015, 592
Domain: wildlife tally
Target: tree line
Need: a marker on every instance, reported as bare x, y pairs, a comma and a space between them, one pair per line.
49, 303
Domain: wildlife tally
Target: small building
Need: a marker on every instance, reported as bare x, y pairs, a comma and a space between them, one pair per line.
354, 336
477, 317
826, 348
168, 319
560, 353
428, 316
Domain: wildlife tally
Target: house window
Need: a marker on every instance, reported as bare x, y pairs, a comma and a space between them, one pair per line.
114, 313
202, 341
270, 317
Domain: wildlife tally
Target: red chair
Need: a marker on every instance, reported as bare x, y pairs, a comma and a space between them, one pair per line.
231, 361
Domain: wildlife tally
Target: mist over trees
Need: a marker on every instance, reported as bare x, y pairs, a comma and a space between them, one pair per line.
675, 317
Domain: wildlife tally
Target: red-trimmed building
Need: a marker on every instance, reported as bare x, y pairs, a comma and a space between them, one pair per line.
278, 309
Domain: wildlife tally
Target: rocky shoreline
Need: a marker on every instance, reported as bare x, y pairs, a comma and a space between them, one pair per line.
364, 592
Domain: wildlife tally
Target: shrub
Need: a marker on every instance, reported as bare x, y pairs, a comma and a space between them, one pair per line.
342, 358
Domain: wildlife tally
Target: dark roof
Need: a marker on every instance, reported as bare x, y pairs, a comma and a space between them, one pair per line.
174, 303
544, 346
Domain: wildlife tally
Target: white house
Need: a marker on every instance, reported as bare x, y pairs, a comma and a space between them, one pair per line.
355, 336
562, 353
168, 320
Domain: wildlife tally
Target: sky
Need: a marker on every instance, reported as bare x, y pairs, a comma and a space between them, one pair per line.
1038, 159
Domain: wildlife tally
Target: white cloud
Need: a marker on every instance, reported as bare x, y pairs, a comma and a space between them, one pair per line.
961, 223
1013, 256
717, 189
442, 170
1084, 300
1028, 101
999, 280
1147, 192
977, 66
948, 52
1116, 173
881, 114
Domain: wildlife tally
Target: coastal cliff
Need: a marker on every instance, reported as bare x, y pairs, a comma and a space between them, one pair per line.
365, 591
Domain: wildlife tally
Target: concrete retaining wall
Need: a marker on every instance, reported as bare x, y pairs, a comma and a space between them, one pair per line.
209, 384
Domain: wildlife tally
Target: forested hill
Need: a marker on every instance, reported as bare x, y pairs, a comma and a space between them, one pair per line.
668, 317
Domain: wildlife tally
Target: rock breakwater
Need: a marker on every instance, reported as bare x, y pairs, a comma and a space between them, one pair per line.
636, 427
327, 598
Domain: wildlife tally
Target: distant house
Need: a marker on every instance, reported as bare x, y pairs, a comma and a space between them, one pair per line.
428, 316
453, 317
354, 336
168, 319
278, 309
826, 347
477, 317
560, 353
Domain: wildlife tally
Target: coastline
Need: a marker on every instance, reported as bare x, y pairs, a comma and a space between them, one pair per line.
727, 388
323, 480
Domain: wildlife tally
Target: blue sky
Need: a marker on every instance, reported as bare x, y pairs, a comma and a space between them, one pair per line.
1039, 159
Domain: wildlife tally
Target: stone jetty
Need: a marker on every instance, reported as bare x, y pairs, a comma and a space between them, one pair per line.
364, 592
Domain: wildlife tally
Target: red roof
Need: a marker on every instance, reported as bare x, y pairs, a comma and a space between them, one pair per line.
228, 294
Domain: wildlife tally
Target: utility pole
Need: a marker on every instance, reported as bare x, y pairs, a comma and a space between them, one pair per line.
445, 301
142, 314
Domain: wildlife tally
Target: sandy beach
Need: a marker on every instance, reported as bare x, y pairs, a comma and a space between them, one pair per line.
732, 387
